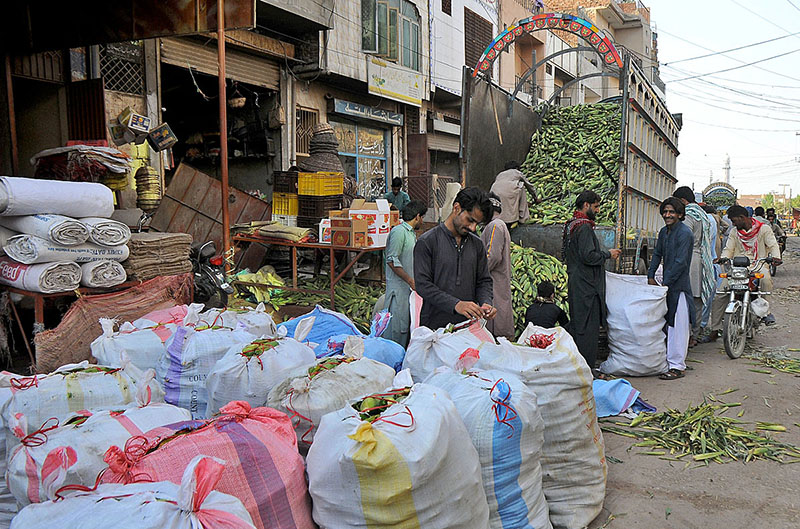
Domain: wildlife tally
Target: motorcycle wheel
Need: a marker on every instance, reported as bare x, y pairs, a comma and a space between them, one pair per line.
219, 300
732, 336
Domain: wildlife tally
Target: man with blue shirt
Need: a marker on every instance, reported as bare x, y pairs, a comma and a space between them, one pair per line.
397, 197
400, 271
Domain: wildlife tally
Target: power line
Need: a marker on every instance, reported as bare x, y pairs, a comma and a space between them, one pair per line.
730, 50
717, 125
768, 21
793, 5
732, 58
735, 67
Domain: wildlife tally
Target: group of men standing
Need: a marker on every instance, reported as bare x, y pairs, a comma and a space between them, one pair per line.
461, 276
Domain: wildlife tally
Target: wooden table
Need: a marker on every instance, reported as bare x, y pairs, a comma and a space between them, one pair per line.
360, 252
38, 305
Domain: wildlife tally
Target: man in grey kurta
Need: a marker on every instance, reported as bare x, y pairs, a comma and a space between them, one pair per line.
400, 271
450, 265
497, 240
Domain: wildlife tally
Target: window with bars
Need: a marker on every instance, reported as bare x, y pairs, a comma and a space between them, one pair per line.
306, 120
411, 119
478, 35
122, 67
447, 7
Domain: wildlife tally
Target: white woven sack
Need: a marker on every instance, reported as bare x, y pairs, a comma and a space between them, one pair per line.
55, 228
30, 249
144, 348
24, 196
74, 452
505, 425
429, 349
72, 388
256, 321
420, 472
251, 376
635, 326
190, 356
160, 505
307, 399
573, 456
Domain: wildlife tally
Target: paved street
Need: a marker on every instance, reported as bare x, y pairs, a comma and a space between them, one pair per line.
646, 492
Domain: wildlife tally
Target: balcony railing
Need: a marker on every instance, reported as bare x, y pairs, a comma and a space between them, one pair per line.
534, 6
528, 87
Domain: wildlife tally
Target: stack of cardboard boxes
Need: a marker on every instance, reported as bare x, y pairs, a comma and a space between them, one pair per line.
363, 225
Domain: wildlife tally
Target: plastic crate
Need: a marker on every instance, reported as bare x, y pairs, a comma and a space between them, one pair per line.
284, 181
286, 220
284, 204
320, 184
308, 222
311, 206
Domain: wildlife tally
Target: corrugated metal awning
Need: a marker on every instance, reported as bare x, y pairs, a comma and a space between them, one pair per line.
443, 142
239, 66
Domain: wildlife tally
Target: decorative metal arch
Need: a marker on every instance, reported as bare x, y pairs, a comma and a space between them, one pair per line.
584, 29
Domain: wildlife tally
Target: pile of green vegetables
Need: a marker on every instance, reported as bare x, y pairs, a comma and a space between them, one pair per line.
528, 269
355, 300
560, 162
328, 364
703, 434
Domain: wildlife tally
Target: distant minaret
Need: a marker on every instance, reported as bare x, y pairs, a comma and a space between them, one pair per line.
727, 168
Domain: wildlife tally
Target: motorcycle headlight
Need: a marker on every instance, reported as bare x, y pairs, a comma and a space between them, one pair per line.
739, 274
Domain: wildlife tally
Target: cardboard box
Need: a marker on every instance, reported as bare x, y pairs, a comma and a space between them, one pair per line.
378, 217
161, 138
394, 219
136, 123
325, 231
349, 232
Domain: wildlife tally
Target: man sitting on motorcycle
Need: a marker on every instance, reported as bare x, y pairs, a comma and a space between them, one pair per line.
752, 239
776, 227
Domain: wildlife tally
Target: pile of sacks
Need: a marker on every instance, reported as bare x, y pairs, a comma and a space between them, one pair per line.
48, 241
158, 254
470, 433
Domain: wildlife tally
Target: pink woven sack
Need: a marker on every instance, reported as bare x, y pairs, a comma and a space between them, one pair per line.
263, 467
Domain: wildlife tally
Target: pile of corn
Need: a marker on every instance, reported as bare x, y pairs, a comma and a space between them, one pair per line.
560, 162
778, 359
702, 434
528, 269
355, 301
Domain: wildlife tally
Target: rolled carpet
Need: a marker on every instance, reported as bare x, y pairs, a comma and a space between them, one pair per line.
107, 232
100, 274
30, 249
60, 276
56, 228
25, 196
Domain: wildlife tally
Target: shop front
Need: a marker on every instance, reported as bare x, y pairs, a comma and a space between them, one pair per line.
365, 144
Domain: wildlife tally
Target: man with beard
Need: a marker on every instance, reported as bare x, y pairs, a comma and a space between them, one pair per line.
586, 276
450, 265
673, 251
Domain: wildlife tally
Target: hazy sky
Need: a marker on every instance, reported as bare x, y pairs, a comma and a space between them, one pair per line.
749, 113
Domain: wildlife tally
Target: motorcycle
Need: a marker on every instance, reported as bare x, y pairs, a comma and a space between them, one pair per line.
773, 267
745, 307
210, 286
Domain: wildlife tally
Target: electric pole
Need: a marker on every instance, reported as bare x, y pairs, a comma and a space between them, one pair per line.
784, 186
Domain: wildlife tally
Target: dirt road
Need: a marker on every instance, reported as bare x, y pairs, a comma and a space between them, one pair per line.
646, 492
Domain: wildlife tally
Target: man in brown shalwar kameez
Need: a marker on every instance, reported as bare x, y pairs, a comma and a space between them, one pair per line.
497, 240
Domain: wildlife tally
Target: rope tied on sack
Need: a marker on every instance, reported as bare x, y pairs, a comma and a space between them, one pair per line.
257, 348
19, 384
39, 437
503, 411
121, 462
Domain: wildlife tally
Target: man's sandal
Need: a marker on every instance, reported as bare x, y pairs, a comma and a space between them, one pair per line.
672, 374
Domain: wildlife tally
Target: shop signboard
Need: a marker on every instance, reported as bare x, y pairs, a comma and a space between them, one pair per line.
394, 82
357, 110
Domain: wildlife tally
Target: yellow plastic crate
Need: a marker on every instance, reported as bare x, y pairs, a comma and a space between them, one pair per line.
320, 184
284, 204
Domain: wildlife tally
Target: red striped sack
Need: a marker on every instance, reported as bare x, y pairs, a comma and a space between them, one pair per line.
263, 467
